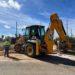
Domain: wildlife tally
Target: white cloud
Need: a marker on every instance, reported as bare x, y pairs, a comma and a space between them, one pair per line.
14, 4
10, 4
23, 20
21, 26
3, 4
2, 21
45, 14
7, 27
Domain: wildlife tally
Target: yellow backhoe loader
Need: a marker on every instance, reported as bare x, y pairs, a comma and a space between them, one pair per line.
36, 41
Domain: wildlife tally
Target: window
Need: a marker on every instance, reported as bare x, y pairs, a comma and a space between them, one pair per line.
27, 32
33, 32
42, 31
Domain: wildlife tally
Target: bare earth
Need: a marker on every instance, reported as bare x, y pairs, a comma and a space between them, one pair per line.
20, 64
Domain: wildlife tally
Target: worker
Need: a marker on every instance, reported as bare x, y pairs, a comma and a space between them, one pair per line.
6, 48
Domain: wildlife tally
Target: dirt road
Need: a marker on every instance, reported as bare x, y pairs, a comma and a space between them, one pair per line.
19, 64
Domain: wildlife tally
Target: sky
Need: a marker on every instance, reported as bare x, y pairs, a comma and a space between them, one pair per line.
28, 12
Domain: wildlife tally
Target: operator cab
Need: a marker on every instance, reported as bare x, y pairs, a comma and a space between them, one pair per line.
34, 30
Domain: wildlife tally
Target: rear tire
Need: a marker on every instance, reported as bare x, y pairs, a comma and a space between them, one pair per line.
31, 50
17, 48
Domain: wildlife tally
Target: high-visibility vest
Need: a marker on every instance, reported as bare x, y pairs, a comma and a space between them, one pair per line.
7, 43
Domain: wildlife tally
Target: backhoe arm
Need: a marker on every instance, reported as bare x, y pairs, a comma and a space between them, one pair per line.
56, 24
49, 39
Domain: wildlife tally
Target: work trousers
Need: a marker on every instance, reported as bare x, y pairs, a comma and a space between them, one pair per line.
6, 52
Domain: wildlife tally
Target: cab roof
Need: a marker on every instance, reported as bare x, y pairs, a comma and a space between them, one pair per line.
34, 26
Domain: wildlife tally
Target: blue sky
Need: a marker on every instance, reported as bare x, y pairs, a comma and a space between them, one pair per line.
27, 12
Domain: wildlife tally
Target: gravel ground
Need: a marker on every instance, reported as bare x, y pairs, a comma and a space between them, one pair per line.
19, 64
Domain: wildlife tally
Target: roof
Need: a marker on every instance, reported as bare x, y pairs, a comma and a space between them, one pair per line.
35, 26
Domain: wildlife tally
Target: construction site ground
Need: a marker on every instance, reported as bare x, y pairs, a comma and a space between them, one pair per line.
53, 64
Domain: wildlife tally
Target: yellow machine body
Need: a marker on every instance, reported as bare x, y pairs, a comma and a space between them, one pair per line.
47, 46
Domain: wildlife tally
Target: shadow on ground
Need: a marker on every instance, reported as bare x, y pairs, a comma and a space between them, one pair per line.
52, 59
56, 60
14, 58
71, 52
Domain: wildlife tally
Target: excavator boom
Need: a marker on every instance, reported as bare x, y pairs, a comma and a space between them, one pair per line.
56, 24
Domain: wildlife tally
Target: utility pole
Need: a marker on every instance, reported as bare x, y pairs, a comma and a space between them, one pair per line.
67, 26
16, 29
71, 33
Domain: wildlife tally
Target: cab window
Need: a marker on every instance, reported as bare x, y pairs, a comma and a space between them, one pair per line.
42, 31
27, 32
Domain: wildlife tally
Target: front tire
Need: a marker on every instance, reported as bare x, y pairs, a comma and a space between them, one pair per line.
31, 50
